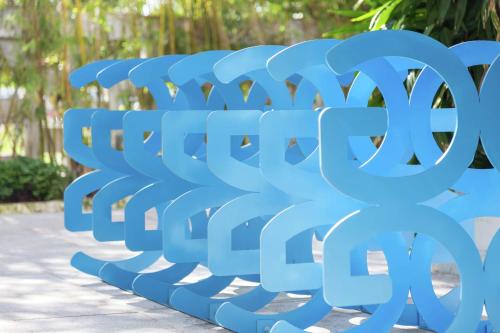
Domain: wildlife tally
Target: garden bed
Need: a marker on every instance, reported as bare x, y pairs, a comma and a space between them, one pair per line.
52, 206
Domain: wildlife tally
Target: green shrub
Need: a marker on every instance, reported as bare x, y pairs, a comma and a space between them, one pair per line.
27, 179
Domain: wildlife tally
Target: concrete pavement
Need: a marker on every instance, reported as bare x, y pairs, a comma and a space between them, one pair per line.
41, 292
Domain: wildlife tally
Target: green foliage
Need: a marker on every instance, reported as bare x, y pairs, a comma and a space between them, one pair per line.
449, 21
53, 37
27, 179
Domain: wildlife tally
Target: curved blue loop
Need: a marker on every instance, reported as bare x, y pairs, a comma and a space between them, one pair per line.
439, 313
339, 284
143, 155
116, 72
109, 175
223, 258
102, 124
177, 245
250, 153
88, 73
356, 122
492, 271
244, 62
227, 168
304, 179
236, 318
198, 65
75, 120
75, 217
490, 115
222, 126
294, 59
426, 149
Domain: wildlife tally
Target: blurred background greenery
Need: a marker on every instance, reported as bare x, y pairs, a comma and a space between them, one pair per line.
41, 41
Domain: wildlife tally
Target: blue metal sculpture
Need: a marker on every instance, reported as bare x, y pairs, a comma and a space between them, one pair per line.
242, 181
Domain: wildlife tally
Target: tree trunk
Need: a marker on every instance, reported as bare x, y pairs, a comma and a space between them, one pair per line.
161, 30
201, 6
66, 88
219, 25
212, 23
8, 117
171, 26
255, 24
79, 33
32, 138
189, 26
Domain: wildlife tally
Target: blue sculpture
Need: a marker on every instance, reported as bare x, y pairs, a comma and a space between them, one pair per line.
242, 181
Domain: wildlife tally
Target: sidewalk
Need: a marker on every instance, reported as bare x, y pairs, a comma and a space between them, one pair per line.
41, 292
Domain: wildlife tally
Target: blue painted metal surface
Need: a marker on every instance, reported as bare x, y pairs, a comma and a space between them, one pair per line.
243, 179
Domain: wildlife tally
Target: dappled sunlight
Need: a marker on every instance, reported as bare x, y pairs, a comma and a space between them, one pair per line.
39, 288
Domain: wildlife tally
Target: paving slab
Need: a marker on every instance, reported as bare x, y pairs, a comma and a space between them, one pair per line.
41, 292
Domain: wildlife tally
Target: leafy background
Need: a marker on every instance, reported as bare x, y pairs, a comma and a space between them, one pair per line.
41, 41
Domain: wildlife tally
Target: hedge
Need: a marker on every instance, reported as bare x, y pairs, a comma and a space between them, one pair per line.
27, 179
